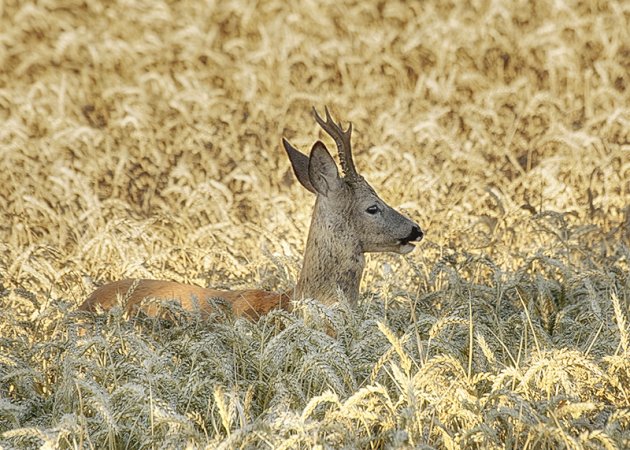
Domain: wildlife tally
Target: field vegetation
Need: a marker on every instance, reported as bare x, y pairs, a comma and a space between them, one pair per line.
141, 138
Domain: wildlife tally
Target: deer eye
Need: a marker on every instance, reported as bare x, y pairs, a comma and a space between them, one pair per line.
372, 209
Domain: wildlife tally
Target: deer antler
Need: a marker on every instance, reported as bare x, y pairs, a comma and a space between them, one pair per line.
342, 139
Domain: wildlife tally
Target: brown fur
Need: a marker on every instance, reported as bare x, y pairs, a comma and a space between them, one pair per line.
146, 296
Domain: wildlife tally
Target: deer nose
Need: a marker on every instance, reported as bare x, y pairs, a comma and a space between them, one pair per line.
416, 234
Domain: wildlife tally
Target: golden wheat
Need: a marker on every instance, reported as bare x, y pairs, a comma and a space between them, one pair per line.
142, 139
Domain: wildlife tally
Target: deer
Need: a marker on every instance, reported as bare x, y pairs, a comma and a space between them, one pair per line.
349, 219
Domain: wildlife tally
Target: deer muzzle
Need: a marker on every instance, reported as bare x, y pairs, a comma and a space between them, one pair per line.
415, 235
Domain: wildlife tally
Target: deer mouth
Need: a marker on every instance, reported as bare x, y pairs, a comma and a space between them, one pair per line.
405, 244
403, 249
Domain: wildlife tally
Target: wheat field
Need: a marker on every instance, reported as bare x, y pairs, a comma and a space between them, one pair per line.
142, 139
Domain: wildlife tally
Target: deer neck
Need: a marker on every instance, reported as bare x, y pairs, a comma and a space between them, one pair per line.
333, 260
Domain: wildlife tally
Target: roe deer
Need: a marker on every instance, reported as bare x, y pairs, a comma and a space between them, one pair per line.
349, 219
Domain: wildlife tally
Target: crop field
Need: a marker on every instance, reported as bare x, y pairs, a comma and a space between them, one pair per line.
142, 139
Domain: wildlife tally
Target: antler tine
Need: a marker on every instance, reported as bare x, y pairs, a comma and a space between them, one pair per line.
342, 139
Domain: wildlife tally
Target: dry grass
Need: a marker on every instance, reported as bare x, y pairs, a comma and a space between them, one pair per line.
141, 139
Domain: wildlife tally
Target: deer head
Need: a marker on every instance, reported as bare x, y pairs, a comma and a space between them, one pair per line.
349, 217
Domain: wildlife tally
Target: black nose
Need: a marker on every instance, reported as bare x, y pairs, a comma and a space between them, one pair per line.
415, 235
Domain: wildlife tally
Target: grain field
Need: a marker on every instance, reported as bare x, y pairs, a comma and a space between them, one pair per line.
142, 138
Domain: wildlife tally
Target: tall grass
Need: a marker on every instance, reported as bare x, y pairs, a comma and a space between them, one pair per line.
142, 139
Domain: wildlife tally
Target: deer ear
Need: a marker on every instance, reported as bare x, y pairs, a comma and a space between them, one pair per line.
322, 170
299, 162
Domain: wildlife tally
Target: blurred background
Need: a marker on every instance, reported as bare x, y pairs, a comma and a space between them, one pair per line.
142, 138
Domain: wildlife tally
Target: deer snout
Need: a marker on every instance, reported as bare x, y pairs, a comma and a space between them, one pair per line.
416, 234
405, 244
